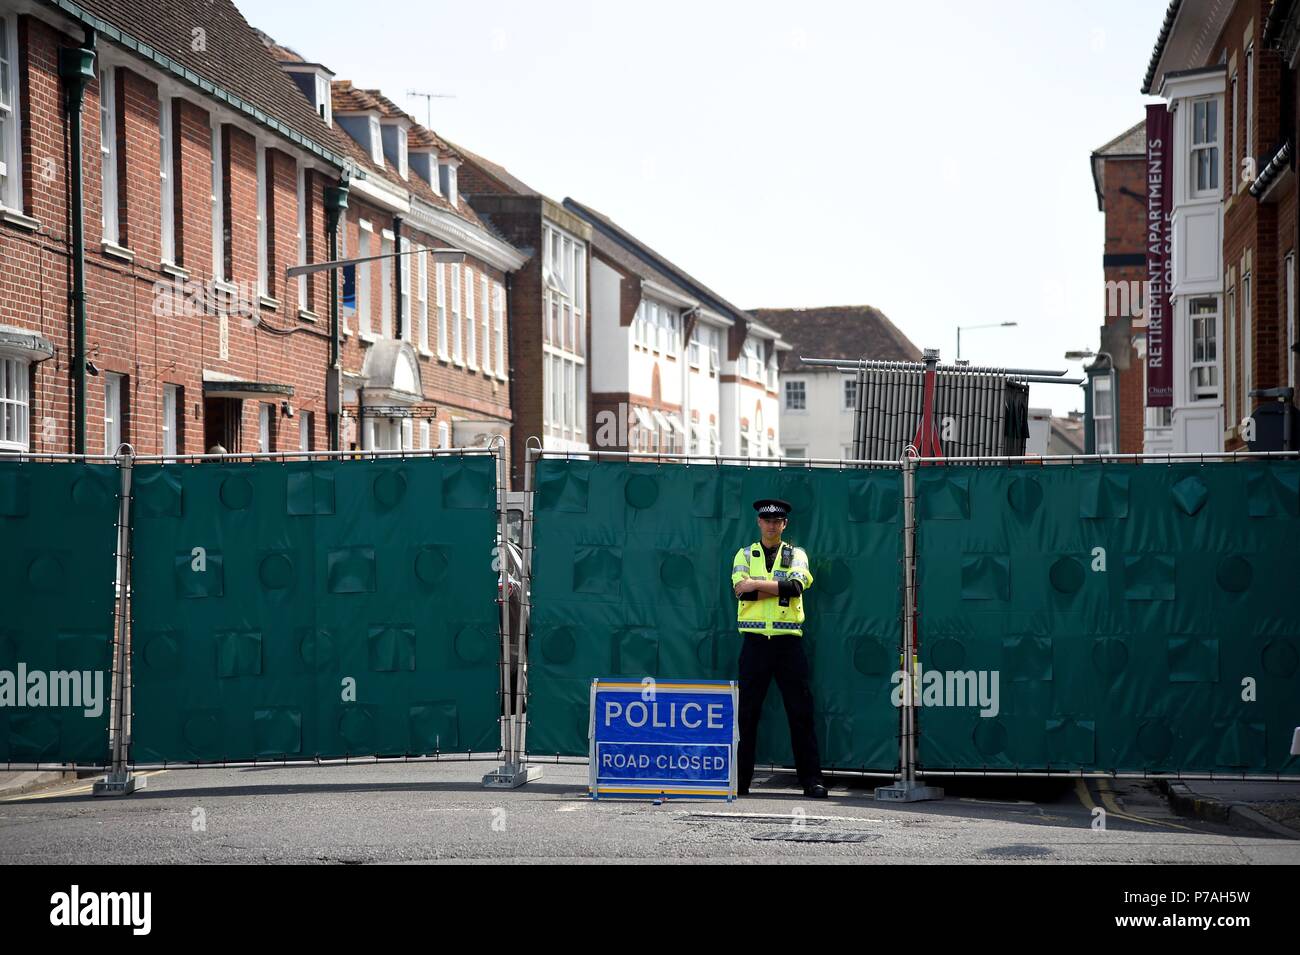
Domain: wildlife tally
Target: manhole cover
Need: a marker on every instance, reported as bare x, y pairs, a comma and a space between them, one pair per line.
815, 835
1017, 852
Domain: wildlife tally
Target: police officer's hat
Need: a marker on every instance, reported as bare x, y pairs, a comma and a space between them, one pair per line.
772, 507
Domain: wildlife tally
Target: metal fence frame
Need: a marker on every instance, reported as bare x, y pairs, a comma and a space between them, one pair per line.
910, 741
120, 767
513, 717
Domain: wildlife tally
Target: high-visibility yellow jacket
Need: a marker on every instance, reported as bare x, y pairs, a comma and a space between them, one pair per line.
769, 614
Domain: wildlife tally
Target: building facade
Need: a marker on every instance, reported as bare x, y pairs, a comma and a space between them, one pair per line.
817, 403
681, 370
1227, 74
550, 328
1116, 379
204, 176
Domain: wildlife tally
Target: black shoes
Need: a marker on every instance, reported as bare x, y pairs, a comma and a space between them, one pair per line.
815, 791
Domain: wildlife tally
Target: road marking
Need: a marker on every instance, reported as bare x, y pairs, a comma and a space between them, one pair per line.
79, 789
775, 817
1112, 806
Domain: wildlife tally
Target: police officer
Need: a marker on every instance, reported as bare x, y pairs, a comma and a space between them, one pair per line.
769, 578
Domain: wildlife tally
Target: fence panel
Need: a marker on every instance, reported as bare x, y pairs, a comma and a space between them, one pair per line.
293, 609
631, 578
58, 522
1140, 617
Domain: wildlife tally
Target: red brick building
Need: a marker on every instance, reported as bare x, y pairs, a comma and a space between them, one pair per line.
424, 353
213, 161
1228, 71
1116, 379
204, 175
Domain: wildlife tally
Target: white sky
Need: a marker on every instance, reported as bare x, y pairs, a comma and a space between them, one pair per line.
930, 159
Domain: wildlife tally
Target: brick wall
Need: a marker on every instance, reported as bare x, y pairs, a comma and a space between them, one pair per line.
1124, 181
142, 319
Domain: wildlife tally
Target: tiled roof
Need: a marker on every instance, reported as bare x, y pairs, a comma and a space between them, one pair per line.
233, 56
843, 331
682, 279
499, 174
1130, 144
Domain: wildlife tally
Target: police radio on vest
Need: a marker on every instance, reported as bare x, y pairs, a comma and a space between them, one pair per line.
692, 715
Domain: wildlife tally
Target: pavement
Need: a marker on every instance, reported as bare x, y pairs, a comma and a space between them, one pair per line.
439, 812
1265, 807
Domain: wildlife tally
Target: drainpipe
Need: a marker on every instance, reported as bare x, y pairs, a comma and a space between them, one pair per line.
76, 69
336, 201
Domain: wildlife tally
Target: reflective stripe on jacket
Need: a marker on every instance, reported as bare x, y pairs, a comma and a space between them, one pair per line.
769, 614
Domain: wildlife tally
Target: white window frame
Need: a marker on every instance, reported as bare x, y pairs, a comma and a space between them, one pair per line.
499, 318
1206, 145
166, 197
15, 403
849, 398
376, 142
1230, 359
1247, 349
485, 310
444, 435
218, 204
403, 165
1250, 102
365, 235
423, 285
796, 395
457, 333
408, 333
108, 155
112, 412
471, 330
325, 105
1209, 337
1232, 135
170, 402
440, 300
263, 427
11, 125
386, 284
304, 430
1108, 446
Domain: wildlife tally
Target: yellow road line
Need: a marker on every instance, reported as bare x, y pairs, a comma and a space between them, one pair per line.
1112, 806
77, 790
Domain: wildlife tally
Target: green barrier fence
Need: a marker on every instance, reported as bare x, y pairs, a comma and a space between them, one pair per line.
58, 529
631, 569
1141, 617
265, 592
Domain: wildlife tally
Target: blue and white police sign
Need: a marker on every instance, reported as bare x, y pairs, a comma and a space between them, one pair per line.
663, 739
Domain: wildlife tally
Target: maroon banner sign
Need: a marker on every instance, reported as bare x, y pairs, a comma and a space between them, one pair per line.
1160, 183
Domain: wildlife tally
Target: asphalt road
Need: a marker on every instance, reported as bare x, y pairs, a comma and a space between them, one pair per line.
438, 812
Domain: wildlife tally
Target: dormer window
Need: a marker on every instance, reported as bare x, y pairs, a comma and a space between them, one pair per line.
447, 173
314, 82
425, 165
395, 145
323, 102
376, 142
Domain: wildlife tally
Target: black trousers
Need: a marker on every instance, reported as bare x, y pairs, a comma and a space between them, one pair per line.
781, 657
